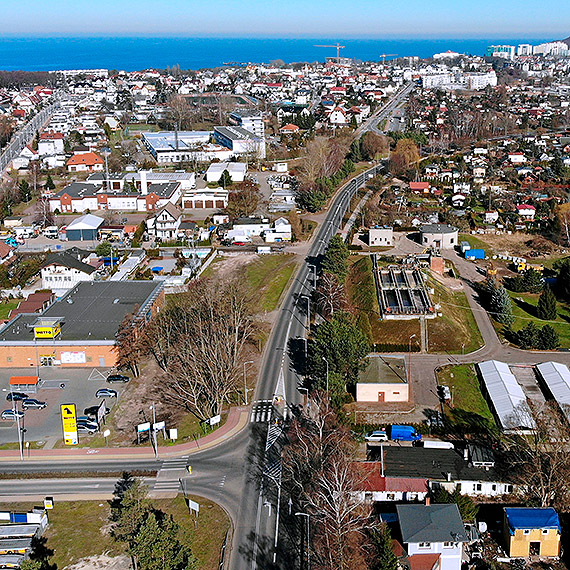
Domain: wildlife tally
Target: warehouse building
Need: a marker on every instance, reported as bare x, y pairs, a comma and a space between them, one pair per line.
79, 329
506, 397
555, 380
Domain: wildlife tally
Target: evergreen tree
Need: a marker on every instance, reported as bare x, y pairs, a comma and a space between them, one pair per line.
548, 338
25, 191
384, 557
49, 185
546, 307
335, 259
527, 337
532, 281
225, 179
501, 306
563, 278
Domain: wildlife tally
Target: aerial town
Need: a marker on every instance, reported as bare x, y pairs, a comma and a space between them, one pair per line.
287, 316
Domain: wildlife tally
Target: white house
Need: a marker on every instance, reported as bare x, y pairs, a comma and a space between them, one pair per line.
62, 271
236, 170
50, 143
251, 226
517, 158
281, 231
435, 530
491, 217
381, 236
526, 211
165, 224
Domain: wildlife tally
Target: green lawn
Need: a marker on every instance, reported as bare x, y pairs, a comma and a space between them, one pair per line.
470, 412
476, 243
79, 529
9, 305
524, 311
456, 330
268, 277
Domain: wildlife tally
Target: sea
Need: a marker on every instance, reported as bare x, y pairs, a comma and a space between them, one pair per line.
137, 53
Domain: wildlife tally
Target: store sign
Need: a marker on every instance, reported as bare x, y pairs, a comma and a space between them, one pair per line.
69, 424
68, 357
47, 332
143, 427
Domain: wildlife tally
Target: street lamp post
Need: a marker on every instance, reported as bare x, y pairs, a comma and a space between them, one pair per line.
17, 416
327, 363
245, 378
153, 408
410, 355
308, 311
308, 537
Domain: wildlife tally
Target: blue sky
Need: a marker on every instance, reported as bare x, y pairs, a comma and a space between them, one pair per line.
289, 18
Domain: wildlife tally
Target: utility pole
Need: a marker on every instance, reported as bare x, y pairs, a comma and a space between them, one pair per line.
245, 379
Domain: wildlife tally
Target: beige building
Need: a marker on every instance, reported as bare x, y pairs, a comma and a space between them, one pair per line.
531, 532
383, 380
381, 236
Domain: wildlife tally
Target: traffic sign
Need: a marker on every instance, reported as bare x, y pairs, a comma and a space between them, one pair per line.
69, 424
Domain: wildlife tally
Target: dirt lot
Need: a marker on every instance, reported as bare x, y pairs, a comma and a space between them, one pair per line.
520, 244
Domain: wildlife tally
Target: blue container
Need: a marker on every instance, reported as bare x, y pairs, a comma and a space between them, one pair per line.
475, 254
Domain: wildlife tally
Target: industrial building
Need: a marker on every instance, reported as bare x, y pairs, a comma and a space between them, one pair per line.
381, 236
78, 329
402, 293
240, 141
166, 147
505, 396
555, 380
84, 228
249, 119
439, 236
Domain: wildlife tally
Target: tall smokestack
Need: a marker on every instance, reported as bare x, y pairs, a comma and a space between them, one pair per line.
144, 183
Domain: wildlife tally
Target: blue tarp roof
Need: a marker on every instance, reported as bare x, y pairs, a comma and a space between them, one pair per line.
532, 518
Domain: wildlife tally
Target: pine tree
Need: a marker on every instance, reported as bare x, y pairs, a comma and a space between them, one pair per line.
532, 281
225, 179
384, 557
527, 337
547, 338
25, 191
335, 260
501, 306
49, 185
546, 307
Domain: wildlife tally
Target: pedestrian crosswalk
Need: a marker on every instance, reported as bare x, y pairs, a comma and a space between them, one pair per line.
175, 463
261, 411
167, 485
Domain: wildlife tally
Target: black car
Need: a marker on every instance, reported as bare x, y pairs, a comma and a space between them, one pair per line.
15, 396
92, 411
117, 378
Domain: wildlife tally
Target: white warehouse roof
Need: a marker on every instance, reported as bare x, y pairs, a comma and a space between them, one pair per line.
86, 222
506, 395
556, 376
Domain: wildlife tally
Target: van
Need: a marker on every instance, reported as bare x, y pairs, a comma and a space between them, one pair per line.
51, 232
433, 444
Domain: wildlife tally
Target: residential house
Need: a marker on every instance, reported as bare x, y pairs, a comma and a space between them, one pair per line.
531, 532
86, 162
433, 535
289, 129
491, 217
281, 231
50, 143
62, 271
6, 252
164, 225
526, 212
420, 187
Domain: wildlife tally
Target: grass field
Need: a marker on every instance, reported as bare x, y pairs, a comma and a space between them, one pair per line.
470, 412
268, 277
8, 306
80, 529
456, 330
524, 311
361, 292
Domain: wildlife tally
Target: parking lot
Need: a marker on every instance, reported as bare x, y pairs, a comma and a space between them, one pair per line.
44, 426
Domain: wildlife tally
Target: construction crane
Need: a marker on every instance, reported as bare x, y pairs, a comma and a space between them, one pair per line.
385, 55
338, 48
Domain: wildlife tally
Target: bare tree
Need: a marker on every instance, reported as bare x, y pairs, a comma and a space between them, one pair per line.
127, 345
330, 295
178, 111
43, 216
539, 462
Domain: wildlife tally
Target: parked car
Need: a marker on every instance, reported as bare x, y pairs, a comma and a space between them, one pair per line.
378, 435
117, 378
81, 428
92, 411
32, 403
106, 393
88, 423
15, 396
11, 415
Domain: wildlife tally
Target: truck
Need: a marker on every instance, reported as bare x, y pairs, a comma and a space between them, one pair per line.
475, 254
434, 444
404, 433
51, 232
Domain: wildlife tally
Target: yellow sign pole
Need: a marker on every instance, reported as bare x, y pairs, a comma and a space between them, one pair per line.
69, 424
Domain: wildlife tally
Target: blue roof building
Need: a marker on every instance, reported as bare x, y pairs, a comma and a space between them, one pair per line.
532, 532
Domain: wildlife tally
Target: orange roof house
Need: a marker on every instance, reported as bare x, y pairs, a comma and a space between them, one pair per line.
87, 162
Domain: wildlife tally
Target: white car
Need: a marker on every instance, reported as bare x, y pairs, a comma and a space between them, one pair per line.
378, 435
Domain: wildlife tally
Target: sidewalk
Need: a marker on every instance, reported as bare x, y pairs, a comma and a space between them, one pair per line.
238, 418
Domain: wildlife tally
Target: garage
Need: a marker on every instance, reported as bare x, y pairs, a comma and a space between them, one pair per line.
198, 204
209, 203
220, 204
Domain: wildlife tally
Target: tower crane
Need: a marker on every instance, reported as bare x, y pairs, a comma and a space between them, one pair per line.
385, 55
338, 48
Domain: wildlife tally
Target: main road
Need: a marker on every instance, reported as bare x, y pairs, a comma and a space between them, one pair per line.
231, 473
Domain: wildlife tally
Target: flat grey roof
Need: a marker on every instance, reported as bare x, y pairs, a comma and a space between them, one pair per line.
236, 133
384, 370
90, 311
438, 229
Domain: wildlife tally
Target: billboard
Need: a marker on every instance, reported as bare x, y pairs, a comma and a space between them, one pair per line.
69, 424
68, 357
101, 413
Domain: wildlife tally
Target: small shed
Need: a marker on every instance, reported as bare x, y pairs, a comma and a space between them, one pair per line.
383, 380
532, 531
84, 228
27, 384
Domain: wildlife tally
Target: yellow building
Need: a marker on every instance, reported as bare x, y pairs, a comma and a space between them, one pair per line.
531, 532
